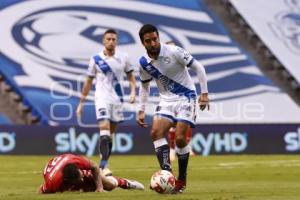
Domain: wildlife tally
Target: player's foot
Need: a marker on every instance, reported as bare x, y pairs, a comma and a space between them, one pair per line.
179, 186
172, 154
107, 172
132, 184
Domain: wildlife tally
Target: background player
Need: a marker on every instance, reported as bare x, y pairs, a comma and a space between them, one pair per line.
70, 172
108, 66
167, 64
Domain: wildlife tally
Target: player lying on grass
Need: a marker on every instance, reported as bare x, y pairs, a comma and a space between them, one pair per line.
70, 172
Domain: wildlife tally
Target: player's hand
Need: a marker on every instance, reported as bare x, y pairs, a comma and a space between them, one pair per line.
79, 110
40, 189
141, 119
100, 189
132, 98
203, 101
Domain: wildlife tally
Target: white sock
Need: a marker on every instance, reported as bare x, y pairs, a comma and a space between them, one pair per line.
160, 142
183, 150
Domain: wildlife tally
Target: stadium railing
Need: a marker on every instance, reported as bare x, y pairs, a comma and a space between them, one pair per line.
15, 101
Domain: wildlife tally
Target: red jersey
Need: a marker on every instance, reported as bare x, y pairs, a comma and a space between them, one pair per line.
53, 172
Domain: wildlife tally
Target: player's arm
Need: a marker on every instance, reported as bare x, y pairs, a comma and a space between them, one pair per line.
186, 59
85, 91
46, 188
97, 177
201, 74
144, 91
40, 189
132, 84
43, 189
86, 86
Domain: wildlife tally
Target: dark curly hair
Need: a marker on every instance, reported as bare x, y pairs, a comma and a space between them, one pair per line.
71, 174
147, 28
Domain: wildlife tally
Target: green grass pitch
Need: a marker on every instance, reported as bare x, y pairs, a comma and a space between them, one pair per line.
209, 178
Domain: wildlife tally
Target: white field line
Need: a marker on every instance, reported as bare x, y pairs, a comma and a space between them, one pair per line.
262, 162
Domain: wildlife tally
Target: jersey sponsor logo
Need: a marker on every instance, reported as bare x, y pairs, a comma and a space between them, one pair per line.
286, 26
163, 80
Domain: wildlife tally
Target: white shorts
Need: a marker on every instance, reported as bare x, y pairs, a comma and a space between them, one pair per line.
111, 112
183, 110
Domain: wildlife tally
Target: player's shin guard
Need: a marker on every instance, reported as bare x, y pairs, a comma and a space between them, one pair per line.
162, 152
104, 148
183, 159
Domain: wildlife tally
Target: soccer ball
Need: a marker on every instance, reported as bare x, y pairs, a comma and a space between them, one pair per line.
162, 182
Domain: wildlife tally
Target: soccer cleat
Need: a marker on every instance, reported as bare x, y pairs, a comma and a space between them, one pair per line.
107, 172
132, 184
179, 186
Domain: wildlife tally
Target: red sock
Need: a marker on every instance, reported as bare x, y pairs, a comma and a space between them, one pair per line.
189, 135
122, 183
171, 138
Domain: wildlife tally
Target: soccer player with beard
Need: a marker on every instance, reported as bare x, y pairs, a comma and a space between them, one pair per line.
167, 65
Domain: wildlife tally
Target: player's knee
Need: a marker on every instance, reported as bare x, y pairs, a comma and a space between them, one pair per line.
109, 187
153, 134
104, 125
180, 142
156, 134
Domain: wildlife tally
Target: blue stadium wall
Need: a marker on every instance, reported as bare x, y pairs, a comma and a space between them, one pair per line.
207, 140
49, 87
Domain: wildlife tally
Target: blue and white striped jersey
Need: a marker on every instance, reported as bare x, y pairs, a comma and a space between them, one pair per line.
170, 73
109, 73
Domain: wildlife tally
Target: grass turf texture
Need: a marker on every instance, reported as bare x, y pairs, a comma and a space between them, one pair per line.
210, 178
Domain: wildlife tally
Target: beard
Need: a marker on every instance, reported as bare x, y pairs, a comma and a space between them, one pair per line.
153, 51
110, 48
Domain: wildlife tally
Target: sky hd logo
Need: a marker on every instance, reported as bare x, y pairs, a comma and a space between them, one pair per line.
292, 141
7, 142
71, 141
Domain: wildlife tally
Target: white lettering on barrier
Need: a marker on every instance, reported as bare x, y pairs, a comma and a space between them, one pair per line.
82, 142
292, 140
7, 141
228, 142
